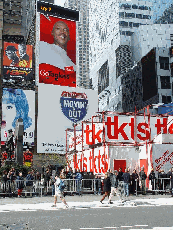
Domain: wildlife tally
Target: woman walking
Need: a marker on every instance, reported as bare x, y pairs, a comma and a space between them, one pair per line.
106, 187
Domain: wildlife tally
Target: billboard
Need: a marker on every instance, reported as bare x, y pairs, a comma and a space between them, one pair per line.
57, 47
59, 109
18, 103
17, 64
162, 156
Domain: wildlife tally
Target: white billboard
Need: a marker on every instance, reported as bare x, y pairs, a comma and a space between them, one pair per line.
59, 108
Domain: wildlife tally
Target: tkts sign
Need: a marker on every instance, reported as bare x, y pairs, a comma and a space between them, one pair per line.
128, 129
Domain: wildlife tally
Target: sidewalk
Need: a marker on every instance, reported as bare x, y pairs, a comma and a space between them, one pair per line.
85, 198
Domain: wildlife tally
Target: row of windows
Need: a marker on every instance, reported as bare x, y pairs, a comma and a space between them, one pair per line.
129, 24
134, 6
165, 82
133, 15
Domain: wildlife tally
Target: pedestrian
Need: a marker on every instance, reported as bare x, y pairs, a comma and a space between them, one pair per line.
143, 177
78, 178
59, 190
171, 179
46, 181
120, 189
5, 180
126, 179
106, 187
135, 181
20, 184
29, 183
69, 177
152, 178
52, 179
114, 185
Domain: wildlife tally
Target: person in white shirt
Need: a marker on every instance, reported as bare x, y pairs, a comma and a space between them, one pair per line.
56, 54
59, 191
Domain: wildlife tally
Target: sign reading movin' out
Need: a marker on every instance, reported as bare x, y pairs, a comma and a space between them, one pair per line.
74, 105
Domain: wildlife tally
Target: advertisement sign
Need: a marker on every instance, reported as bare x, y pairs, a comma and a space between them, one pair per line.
85, 162
59, 108
17, 103
17, 63
162, 157
57, 47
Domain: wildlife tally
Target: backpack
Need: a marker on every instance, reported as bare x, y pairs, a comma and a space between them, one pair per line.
61, 185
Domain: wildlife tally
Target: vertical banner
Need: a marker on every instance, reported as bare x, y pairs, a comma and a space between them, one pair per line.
18, 103
17, 64
57, 45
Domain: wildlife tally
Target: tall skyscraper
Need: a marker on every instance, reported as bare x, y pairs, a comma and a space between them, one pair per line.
82, 56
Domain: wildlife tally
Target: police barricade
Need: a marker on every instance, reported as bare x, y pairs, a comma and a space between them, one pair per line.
37, 187
160, 185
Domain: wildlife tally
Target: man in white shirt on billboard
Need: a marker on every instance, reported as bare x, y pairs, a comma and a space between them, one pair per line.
55, 54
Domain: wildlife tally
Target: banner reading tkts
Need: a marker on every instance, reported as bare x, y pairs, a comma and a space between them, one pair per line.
91, 161
127, 129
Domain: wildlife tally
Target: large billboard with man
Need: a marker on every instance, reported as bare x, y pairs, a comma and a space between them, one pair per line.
57, 46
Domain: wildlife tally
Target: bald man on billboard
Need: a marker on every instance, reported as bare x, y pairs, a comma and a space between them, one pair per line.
56, 53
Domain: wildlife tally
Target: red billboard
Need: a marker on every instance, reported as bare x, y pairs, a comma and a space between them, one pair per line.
17, 63
57, 57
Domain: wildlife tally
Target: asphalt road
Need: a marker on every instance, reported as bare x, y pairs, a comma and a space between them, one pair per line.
87, 218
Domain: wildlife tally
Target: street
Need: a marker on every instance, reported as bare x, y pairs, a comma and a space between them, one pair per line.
86, 212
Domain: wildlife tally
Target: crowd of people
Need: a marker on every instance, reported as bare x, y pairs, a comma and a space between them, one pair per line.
118, 182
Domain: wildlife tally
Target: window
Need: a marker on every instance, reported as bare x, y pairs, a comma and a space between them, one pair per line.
123, 23
121, 14
166, 99
125, 6
130, 24
136, 24
146, 17
165, 82
134, 7
139, 16
164, 63
129, 33
142, 7
129, 15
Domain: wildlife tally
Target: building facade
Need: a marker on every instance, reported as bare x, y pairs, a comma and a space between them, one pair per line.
82, 41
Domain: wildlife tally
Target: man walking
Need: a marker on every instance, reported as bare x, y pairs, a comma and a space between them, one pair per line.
59, 190
126, 178
114, 185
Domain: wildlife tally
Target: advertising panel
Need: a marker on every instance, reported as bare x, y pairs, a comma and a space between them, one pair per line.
85, 162
162, 157
57, 47
17, 103
17, 64
77, 141
59, 109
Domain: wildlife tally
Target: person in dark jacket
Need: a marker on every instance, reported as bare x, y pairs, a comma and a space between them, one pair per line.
5, 180
135, 181
114, 185
143, 177
20, 184
171, 178
69, 176
126, 178
106, 187
46, 181
120, 175
152, 178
